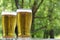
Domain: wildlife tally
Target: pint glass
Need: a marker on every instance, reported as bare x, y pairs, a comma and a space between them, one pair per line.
24, 21
8, 24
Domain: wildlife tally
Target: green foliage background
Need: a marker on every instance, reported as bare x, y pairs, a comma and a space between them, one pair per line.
43, 13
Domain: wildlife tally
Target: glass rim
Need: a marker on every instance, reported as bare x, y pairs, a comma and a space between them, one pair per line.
24, 10
8, 13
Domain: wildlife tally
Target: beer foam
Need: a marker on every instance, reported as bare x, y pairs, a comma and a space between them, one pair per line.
8, 13
24, 10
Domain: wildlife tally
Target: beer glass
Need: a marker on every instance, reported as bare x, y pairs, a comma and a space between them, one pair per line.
8, 24
24, 21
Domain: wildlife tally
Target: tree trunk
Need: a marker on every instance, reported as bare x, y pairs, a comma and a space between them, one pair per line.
51, 33
32, 27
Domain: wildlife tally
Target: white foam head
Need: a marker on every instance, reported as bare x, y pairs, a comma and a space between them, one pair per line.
8, 13
24, 10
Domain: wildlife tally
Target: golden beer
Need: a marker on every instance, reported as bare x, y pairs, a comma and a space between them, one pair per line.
8, 24
24, 20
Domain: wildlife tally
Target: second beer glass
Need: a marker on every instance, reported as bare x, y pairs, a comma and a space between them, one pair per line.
24, 20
